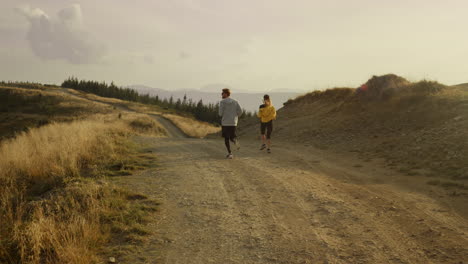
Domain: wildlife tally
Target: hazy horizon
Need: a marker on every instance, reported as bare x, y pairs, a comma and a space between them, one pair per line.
256, 46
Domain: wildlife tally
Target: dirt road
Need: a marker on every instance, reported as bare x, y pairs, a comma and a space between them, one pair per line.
292, 206
296, 205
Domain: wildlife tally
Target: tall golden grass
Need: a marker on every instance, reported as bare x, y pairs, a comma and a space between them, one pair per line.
144, 124
192, 127
52, 207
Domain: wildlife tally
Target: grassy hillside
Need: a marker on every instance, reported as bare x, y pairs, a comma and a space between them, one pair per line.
418, 128
58, 148
56, 202
21, 109
462, 85
186, 122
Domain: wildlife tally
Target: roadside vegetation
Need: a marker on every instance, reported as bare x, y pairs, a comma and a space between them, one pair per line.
57, 204
192, 128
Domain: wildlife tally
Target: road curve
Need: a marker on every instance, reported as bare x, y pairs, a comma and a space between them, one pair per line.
172, 130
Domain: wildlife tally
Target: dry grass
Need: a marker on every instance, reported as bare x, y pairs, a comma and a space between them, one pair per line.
121, 104
97, 98
53, 208
148, 109
21, 109
56, 205
335, 94
418, 128
189, 126
192, 127
144, 124
386, 87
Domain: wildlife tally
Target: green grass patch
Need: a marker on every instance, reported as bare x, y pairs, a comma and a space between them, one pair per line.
136, 159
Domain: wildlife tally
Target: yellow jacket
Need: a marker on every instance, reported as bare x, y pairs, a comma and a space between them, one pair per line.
266, 113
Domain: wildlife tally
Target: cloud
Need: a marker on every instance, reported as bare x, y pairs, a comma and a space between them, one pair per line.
184, 55
62, 38
149, 59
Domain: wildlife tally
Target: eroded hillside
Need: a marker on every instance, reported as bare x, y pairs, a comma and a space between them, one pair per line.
417, 128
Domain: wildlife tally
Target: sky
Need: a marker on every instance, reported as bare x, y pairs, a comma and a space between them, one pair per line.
254, 45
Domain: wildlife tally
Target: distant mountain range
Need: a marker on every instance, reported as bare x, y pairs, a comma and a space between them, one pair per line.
248, 100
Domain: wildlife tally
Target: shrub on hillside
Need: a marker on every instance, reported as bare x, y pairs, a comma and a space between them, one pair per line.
334, 94
382, 87
145, 124
375, 89
426, 87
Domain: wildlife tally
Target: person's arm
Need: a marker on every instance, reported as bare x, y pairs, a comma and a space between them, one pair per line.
221, 108
260, 111
239, 109
274, 112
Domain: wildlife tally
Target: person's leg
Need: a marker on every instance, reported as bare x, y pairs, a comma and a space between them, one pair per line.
236, 142
268, 134
233, 136
263, 146
262, 135
225, 134
228, 145
233, 139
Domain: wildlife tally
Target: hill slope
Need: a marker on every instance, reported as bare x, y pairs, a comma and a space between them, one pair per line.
418, 128
57, 202
462, 86
22, 108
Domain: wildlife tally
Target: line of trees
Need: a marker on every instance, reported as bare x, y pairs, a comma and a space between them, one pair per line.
201, 111
26, 85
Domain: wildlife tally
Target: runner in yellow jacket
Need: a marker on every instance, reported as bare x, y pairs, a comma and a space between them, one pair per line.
266, 113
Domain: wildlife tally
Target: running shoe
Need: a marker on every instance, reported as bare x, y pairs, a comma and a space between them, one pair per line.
263, 147
269, 150
229, 156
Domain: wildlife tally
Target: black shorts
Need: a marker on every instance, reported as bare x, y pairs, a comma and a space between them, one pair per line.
228, 132
268, 126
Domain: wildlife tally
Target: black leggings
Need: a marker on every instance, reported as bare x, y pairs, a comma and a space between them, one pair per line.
229, 133
227, 143
268, 126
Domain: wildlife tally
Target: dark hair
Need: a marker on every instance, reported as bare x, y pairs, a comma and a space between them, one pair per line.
227, 91
266, 99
